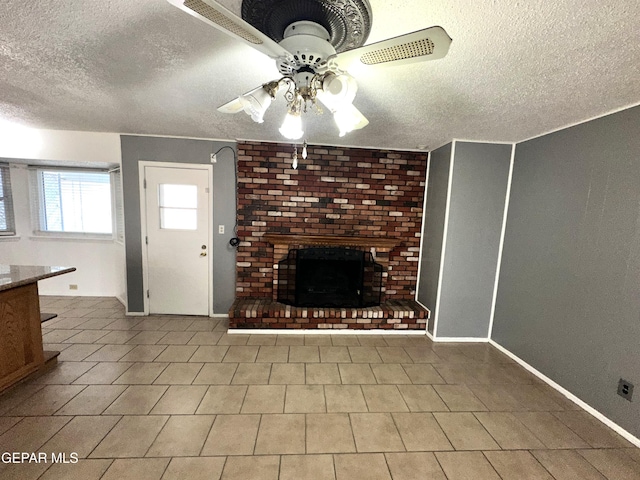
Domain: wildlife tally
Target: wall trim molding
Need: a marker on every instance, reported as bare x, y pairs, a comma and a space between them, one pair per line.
320, 331
585, 406
460, 340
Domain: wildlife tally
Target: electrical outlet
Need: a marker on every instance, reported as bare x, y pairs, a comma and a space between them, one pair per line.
214, 158
73, 286
221, 229
625, 389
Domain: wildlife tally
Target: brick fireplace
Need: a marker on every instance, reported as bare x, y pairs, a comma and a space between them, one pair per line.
359, 198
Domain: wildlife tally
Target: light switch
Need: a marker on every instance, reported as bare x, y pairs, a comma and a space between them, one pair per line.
221, 229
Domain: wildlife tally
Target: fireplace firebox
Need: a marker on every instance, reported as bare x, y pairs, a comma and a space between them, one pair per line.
329, 277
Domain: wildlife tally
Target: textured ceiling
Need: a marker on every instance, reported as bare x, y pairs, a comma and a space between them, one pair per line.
515, 69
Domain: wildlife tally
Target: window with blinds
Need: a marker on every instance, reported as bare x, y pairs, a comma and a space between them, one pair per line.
72, 201
116, 182
7, 220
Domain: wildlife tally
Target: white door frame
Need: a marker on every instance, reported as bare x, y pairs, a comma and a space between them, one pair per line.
143, 223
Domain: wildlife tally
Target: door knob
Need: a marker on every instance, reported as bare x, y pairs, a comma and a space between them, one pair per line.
203, 254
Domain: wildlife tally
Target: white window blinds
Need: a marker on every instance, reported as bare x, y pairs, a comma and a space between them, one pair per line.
116, 181
7, 220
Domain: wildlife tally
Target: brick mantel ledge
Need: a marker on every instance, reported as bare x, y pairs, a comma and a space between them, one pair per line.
379, 243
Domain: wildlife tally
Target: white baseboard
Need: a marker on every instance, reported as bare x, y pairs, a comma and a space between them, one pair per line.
460, 339
320, 331
220, 315
585, 406
135, 314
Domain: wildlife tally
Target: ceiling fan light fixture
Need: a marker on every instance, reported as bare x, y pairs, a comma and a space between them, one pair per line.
292, 126
255, 103
349, 118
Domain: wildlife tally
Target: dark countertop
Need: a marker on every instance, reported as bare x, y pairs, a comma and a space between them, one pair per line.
12, 276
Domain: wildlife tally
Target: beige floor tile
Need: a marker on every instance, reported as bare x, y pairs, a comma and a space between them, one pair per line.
281, 434
384, 398
177, 353
84, 469
345, 399
591, 430
64, 372
394, 355
136, 469
459, 398
307, 467
375, 432
109, 353
194, 468
364, 355
532, 398
422, 354
223, 399
93, 400
77, 352
57, 336
7, 422
81, 435
422, 374
233, 339
152, 323
205, 338
180, 400
273, 354
86, 336
334, 354
147, 337
264, 399
179, 374
414, 465
496, 398
304, 353
345, 341
451, 353
232, 435
420, 432
143, 353
549, 430
141, 373
465, 432
182, 436
131, 437
244, 468
520, 465
567, 465
287, 374
290, 340
509, 432
304, 399
422, 398
31, 433
318, 340
22, 471
47, 400
216, 374
103, 373
252, 374
356, 374
176, 338
240, 354
322, 374
176, 325
613, 463
466, 466
456, 373
634, 453
209, 353
329, 433
262, 340
118, 337
370, 466
372, 341
136, 400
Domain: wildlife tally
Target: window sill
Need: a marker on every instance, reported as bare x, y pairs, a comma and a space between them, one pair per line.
74, 238
9, 238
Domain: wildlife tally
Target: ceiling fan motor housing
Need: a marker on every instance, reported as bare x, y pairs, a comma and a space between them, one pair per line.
309, 44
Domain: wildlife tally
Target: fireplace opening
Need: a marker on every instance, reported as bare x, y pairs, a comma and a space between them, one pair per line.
329, 277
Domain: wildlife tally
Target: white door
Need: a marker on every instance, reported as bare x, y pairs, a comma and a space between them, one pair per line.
177, 239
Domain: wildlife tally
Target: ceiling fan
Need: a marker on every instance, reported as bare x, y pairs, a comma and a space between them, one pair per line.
314, 42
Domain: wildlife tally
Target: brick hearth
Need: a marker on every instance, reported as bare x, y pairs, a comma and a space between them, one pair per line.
335, 192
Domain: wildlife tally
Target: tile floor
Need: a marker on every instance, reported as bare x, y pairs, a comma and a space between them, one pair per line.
171, 397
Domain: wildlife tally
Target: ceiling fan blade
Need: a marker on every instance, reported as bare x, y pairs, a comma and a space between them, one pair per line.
219, 17
428, 44
234, 106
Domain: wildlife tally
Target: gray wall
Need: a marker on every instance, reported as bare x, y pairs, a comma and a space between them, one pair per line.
569, 293
434, 215
178, 150
476, 211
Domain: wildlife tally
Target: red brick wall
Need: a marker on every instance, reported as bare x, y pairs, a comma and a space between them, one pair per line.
335, 191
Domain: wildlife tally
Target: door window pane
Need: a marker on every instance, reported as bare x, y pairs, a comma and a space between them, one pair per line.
178, 206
